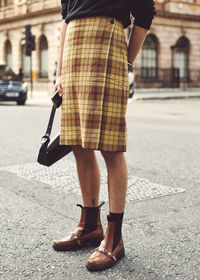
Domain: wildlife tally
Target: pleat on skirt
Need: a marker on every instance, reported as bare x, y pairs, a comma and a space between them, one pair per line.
95, 84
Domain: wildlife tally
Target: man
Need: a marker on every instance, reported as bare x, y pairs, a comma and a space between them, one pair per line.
92, 78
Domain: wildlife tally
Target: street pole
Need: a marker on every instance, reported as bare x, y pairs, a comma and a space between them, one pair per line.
31, 78
172, 66
29, 47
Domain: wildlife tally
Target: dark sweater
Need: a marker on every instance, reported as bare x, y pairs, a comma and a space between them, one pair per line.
142, 10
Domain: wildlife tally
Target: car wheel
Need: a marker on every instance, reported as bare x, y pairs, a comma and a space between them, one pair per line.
21, 102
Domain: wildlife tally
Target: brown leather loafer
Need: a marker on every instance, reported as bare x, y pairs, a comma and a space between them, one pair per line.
102, 259
80, 238
74, 241
107, 254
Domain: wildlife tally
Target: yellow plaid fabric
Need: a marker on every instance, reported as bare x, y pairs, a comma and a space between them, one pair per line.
95, 84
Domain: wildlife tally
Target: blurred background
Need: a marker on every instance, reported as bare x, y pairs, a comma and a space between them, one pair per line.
170, 57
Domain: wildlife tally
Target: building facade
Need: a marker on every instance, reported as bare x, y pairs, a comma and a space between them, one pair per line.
171, 52
45, 20
170, 56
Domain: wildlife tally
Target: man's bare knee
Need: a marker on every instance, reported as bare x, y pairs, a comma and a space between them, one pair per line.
81, 153
110, 156
77, 148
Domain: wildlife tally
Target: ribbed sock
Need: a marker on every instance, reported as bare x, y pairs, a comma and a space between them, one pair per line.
117, 218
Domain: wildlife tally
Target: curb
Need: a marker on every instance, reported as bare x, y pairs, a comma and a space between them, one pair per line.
161, 96
165, 97
46, 101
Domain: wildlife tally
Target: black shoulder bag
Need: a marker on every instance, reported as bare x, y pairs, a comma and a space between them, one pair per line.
50, 150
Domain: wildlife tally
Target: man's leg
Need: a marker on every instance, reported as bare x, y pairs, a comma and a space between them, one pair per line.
117, 180
112, 248
89, 177
88, 174
89, 230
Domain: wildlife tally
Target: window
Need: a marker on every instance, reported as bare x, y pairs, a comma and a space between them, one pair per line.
149, 57
43, 73
8, 53
26, 63
4, 3
181, 57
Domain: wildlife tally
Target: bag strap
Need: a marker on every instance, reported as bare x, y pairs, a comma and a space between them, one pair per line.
50, 124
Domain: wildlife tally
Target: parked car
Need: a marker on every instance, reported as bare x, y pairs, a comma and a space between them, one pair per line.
11, 88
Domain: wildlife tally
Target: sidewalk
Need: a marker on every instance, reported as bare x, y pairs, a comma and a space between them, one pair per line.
43, 98
141, 94
39, 98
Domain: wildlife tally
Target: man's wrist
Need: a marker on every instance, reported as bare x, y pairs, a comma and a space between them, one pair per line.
58, 74
130, 67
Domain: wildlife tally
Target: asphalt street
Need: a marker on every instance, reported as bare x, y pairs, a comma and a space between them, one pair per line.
161, 235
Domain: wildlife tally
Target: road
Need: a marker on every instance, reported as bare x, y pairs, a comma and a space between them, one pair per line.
161, 224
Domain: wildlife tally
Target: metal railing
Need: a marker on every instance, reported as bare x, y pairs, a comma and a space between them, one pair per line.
166, 78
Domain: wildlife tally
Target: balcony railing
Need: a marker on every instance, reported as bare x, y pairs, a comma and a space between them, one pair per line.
39, 5
7, 12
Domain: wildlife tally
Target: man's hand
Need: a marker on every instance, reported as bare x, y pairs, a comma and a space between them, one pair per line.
58, 85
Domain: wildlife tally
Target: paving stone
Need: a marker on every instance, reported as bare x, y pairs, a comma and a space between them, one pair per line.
63, 175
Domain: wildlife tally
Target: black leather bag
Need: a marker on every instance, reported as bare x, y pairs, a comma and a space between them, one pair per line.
50, 150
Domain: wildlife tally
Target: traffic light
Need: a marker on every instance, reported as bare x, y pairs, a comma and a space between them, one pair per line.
29, 40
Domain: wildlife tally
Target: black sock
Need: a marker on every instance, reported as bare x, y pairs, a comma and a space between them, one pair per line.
117, 218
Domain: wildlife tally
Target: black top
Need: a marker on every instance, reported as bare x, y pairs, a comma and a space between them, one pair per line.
142, 10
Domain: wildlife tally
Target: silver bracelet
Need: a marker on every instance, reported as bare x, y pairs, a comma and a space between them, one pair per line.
130, 65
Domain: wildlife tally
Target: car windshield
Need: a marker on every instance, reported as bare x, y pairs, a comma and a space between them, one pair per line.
7, 74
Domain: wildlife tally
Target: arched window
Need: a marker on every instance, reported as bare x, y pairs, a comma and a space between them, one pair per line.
8, 2
4, 3
149, 57
26, 62
43, 73
8, 53
181, 56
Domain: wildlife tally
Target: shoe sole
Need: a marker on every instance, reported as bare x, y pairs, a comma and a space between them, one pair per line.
119, 256
89, 243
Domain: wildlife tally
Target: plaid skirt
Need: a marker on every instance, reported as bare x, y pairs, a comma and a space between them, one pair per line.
95, 84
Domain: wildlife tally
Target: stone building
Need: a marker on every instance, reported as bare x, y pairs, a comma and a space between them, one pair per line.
171, 51
170, 56
45, 19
